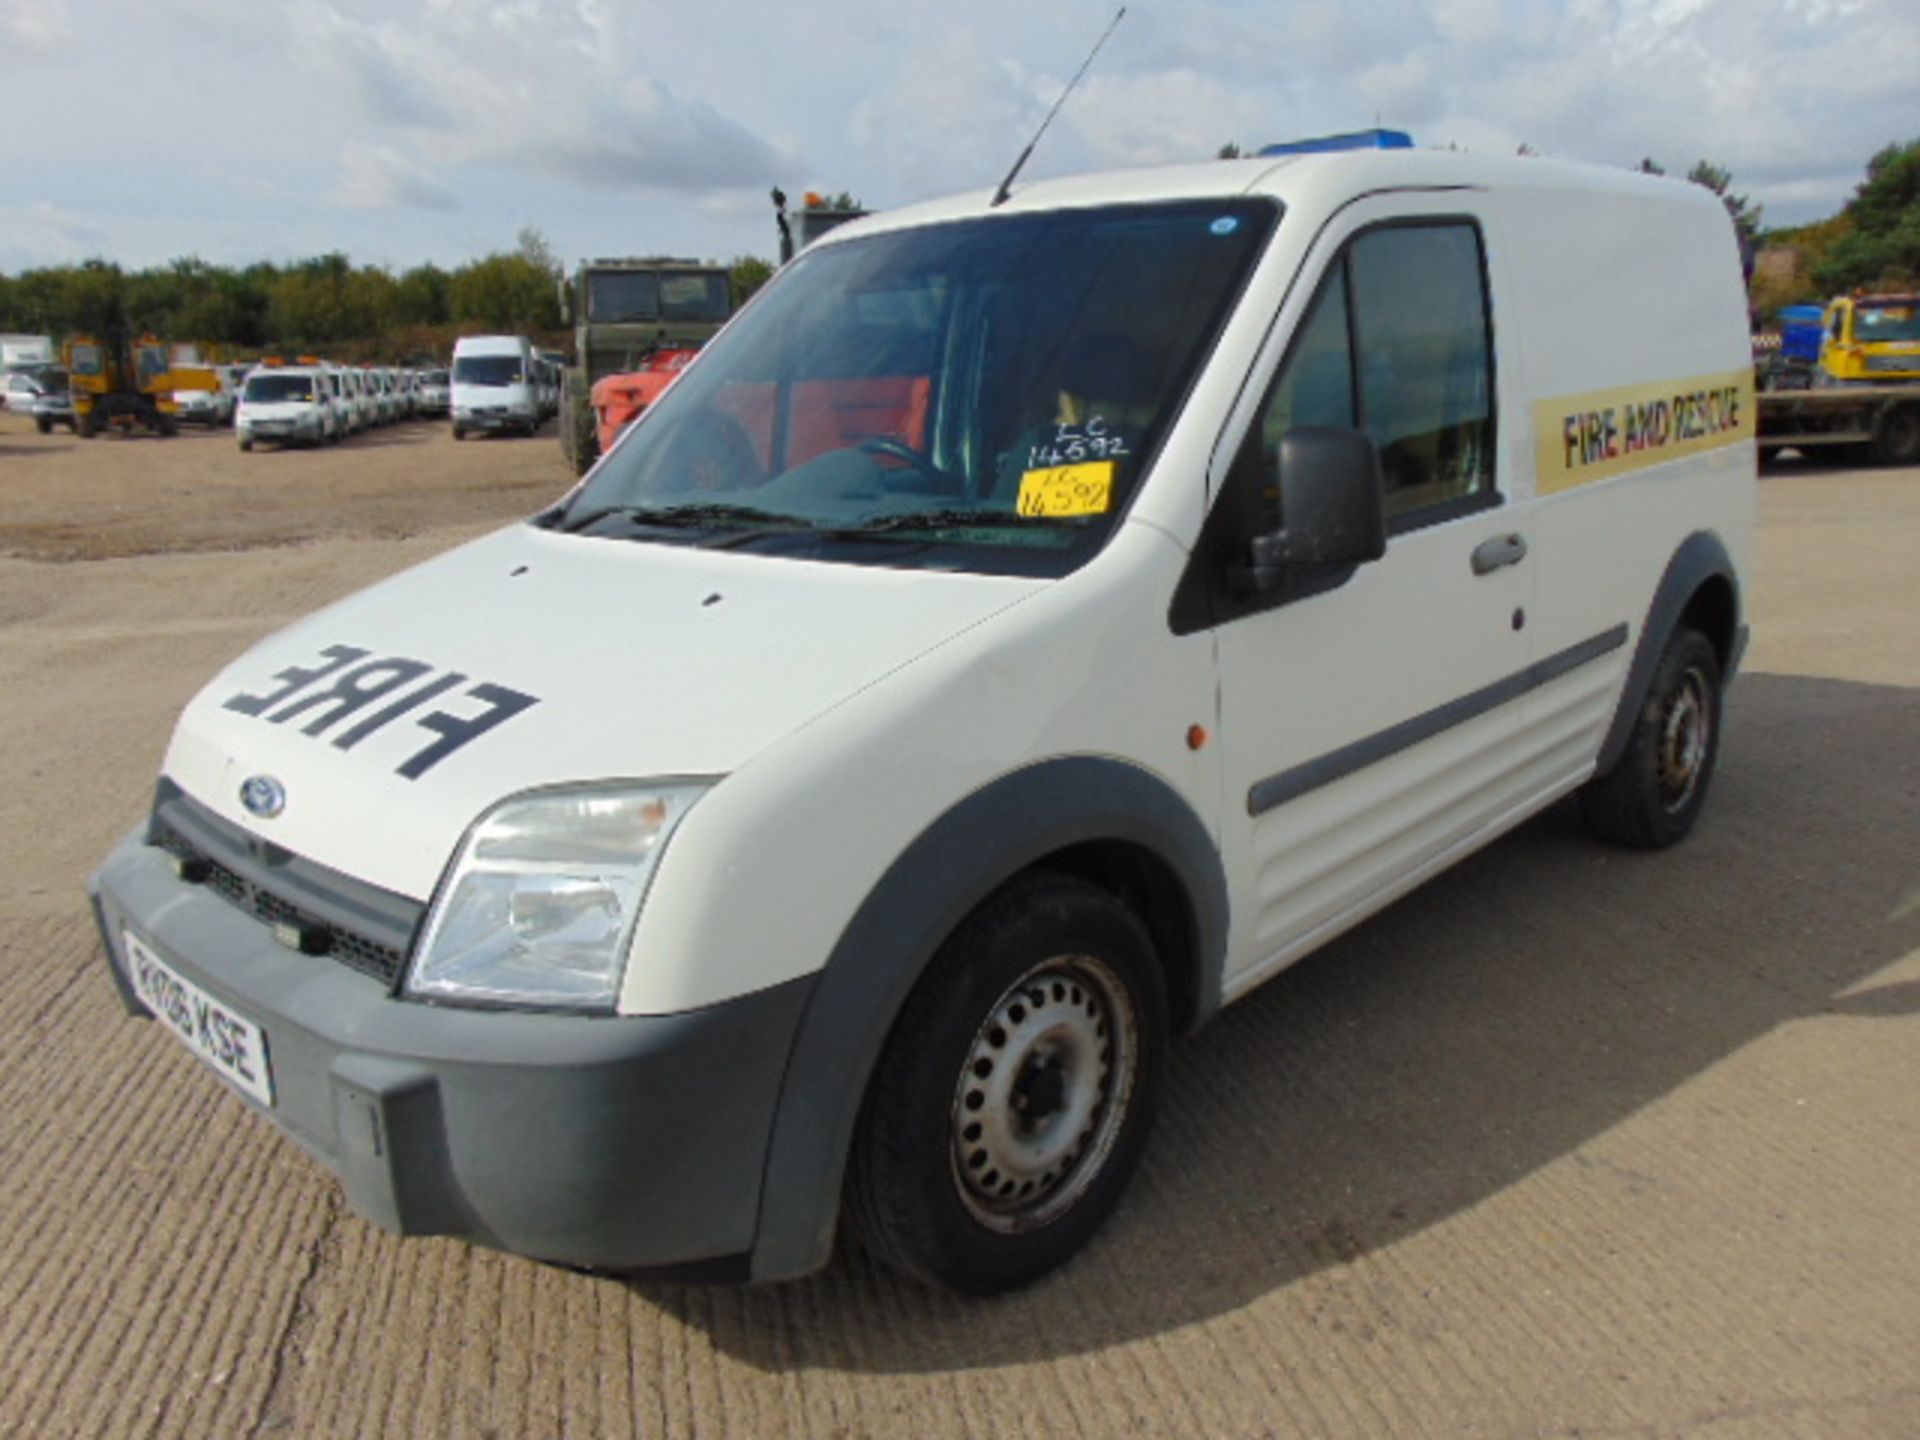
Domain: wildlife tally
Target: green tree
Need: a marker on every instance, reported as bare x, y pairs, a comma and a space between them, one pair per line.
39, 303
505, 292
530, 245
1746, 215
424, 296
93, 299
748, 274
1229, 151
1884, 246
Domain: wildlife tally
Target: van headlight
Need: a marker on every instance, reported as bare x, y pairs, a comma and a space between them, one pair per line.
540, 903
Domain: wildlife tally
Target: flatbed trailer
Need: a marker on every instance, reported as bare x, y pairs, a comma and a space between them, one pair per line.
1882, 421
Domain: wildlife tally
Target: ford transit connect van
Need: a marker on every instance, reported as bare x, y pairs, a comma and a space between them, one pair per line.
1024, 630
287, 405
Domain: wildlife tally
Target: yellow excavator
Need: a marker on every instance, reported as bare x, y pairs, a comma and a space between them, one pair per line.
124, 384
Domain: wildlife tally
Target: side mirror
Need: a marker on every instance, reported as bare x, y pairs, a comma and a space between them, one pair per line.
1332, 506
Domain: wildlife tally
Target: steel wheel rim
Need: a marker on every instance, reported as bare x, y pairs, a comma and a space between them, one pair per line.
1043, 1093
1686, 733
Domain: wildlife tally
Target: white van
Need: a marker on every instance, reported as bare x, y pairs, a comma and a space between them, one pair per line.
435, 393
495, 385
287, 405
1023, 631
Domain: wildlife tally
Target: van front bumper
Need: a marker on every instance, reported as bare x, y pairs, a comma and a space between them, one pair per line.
616, 1142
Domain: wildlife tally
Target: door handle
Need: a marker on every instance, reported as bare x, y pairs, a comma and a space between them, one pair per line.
1500, 551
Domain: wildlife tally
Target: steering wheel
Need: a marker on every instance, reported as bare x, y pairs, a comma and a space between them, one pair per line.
713, 452
941, 481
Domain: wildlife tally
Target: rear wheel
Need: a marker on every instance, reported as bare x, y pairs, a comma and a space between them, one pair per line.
1651, 798
1898, 442
1014, 1096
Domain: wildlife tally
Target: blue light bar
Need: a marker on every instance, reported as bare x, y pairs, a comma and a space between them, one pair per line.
1356, 140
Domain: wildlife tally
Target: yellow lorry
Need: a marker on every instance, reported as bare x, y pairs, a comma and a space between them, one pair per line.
1854, 389
1871, 340
128, 384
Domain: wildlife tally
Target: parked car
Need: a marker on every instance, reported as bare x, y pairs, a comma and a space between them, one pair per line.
361, 408
495, 387
213, 408
48, 402
434, 393
288, 405
23, 386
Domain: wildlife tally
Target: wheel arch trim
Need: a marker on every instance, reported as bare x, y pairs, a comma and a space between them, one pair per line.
1700, 567
1000, 831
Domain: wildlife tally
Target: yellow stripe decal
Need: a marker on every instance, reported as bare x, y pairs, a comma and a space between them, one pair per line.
1582, 438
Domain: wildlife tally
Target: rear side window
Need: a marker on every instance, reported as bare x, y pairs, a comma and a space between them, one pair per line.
1397, 345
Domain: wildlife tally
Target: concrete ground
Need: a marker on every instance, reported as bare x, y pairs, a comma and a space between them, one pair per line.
1573, 1142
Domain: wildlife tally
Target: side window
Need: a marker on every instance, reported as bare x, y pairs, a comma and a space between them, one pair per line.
1397, 345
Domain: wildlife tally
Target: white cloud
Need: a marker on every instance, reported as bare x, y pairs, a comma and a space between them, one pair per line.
644, 125
378, 177
35, 30
42, 232
536, 86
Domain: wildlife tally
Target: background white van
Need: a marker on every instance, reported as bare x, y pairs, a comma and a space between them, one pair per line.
495, 385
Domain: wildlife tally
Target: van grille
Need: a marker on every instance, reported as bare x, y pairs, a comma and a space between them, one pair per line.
331, 915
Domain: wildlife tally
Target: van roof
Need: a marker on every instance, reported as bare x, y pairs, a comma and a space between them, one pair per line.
1316, 182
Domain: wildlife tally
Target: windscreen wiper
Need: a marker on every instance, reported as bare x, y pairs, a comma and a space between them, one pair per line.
677, 517
951, 520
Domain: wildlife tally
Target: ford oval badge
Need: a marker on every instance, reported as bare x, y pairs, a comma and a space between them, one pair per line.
263, 796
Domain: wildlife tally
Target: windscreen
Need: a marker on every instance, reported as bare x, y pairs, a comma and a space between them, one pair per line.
616, 296
693, 297
488, 370
1875, 323
985, 394
272, 389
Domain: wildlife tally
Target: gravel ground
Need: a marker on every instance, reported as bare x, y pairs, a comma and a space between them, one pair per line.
1572, 1142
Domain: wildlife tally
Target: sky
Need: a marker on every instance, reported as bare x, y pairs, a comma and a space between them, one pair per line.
435, 130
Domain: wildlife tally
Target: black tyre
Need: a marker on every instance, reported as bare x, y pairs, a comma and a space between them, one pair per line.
458, 433
245, 443
1898, 442
43, 423
1012, 1100
1652, 797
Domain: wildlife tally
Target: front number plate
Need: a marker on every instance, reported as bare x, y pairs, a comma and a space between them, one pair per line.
232, 1044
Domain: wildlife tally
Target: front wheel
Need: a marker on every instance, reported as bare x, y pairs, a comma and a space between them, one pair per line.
43, 423
1011, 1102
1653, 795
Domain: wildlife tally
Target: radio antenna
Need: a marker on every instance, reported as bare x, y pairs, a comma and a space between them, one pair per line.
1005, 191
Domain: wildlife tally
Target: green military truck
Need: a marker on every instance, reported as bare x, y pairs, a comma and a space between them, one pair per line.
621, 312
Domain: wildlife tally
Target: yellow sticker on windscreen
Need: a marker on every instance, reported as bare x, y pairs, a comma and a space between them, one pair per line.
1061, 490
